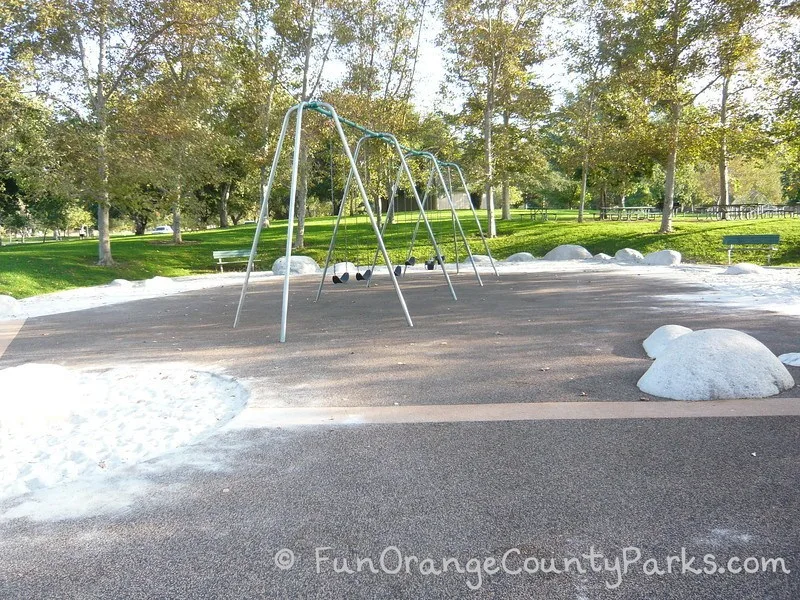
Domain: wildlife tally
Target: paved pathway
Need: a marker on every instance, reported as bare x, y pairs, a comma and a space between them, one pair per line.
507, 424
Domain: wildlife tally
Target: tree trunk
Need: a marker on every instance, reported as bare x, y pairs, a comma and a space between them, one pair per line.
505, 214
585, 164
505, 194
391, 193
139, 224
103, 234
672, 163
302, 183
266, 113
104, 202
176, 219
263, 191
724, 175
584, 181
302, 194
223, 204
488, 166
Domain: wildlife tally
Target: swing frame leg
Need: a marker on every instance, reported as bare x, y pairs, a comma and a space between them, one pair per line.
392, 140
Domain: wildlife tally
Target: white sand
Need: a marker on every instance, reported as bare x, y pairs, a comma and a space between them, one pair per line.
57, 425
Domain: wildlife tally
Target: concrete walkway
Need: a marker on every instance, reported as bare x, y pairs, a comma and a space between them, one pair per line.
502, 438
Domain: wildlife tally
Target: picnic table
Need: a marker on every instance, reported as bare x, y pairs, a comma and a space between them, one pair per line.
628, 213
746, 211
537, 210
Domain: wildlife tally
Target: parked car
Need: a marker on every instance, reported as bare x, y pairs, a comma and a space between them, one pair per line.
163, 229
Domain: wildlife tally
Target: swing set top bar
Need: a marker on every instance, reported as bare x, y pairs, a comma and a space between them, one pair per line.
322, 109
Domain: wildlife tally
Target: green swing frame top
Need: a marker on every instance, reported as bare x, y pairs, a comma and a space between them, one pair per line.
327, 110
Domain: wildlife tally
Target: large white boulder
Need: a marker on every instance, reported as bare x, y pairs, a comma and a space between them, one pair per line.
602, 257
300, 265
11, 308
667, 258
628, 255
744, 269
342, 267
657, 341
715, 364
480, 259
568, 252
521, 257
121, 283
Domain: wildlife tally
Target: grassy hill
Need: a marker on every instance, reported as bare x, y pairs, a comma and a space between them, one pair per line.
37, 268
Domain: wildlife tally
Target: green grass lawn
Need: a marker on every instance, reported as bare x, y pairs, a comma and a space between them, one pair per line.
37, 268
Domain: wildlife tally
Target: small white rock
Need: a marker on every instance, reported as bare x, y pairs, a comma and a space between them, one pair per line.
744, 269
628, 255
480, 259
792, 359
11, 308
667, 258
521, 257
121, 283
158, 283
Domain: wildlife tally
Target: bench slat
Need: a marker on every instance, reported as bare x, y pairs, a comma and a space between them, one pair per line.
764, 238
231, 253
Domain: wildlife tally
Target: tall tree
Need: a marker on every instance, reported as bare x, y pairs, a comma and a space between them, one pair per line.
589, 62
662, 50
181, 102
310, 30
492, 44
785, 62
260, 44
88, 53
735, 47
380, 53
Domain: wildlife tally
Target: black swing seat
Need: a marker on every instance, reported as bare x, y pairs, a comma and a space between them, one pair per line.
365, 276
343, 279
398, 270
411, 262
431, 264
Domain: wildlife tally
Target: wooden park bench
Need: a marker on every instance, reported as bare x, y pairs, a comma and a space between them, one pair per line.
753, 242
229, 257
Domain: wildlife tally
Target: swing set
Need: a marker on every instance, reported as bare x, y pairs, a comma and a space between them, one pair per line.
402, 153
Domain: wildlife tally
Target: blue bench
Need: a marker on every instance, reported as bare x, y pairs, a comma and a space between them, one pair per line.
764, 241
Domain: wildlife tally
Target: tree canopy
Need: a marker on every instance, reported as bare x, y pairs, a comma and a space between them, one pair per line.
144, 112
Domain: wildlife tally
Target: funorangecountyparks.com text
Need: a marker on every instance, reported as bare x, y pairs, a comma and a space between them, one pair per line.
392, 561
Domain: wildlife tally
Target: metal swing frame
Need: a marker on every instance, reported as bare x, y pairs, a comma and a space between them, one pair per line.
436, 166
327, 110
391, 140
